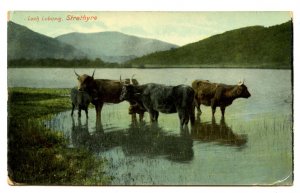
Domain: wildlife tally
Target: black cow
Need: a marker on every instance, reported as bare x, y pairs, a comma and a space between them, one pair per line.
217, 94
80, 100
157, 98
135, 108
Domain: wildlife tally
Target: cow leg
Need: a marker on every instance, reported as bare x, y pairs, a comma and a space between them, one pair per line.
141, 117
196, 104
133, 117
183, 117
223, 110
186, 118
79, 112
199, 112
213, 108
99, 106
192, 115
156, 115
73, 107
153, 115
86, 112
132, 111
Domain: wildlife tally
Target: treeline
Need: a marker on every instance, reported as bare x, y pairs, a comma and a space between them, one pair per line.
63, 63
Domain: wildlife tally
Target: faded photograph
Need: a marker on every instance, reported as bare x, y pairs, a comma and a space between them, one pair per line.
150, 98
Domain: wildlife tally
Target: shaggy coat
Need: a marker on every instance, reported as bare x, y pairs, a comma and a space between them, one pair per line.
157, 98
217, 94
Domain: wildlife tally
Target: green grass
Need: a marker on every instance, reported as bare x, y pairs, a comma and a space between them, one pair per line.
40, 156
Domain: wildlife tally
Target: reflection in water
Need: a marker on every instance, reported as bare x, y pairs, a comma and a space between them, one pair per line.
138, 139
220, 133
80, 133
152, 140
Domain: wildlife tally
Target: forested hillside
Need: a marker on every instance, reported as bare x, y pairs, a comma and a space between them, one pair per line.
256, 46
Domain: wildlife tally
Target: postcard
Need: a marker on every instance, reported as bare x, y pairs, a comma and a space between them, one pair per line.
150, 98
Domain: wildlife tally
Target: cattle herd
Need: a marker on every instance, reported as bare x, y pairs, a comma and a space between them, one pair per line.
154, 98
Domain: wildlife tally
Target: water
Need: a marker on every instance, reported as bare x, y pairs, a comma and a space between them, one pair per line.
253, 145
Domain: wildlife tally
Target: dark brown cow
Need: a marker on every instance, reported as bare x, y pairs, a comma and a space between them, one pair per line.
104, 91
217, 94
101, 90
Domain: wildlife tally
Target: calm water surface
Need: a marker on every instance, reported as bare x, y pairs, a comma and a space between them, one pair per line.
253, 145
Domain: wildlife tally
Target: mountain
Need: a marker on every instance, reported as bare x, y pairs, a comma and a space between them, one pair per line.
27, 44
114, 46
255, 46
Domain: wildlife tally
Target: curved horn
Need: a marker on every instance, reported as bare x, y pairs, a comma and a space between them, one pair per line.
132, 76
241, 82
93, 73
76, 74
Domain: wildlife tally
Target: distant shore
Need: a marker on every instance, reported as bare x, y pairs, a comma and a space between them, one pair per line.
98, 63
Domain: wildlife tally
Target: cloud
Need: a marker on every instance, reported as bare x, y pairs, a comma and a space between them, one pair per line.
174, 27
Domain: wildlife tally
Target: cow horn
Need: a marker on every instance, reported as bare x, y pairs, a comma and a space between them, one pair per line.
93, 73
76, 74
241, 83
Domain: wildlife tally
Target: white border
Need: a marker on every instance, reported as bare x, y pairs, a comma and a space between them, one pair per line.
141, 5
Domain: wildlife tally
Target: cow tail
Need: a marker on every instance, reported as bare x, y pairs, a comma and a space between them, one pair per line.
191, 105
184, 99
188, 103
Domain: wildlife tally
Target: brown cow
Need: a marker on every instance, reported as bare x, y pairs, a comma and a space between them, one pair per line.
101, 91
217, 94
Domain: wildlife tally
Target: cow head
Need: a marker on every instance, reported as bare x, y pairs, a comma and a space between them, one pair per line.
134, 81
130, 93
127, 92
125, 81
85, 81
242, 90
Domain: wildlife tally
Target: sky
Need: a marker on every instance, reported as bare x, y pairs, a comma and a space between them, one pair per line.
174, 27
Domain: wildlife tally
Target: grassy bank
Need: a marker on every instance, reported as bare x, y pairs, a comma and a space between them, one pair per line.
38, 155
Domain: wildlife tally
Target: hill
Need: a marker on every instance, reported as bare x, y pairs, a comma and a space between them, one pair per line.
114, 46
27, 44
255, 46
